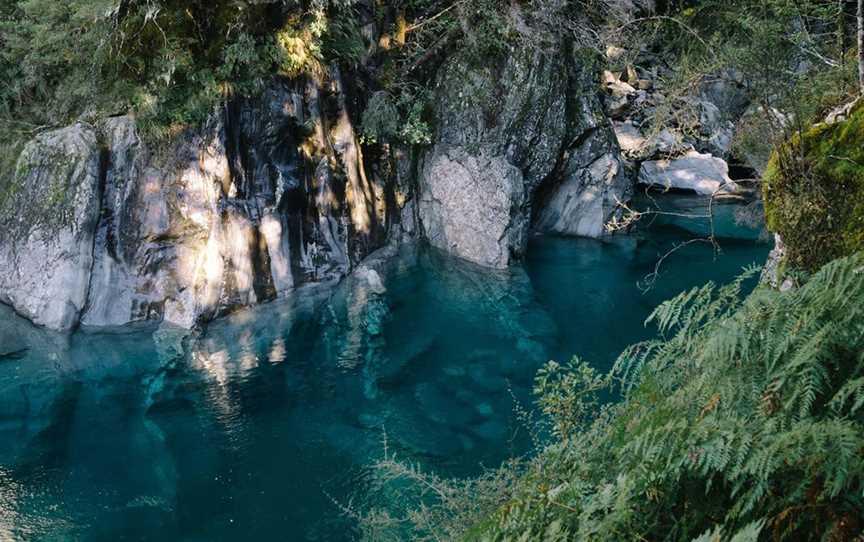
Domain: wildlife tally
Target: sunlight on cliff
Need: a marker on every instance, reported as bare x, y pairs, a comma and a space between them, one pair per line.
217, 253
357, 192
277, 247
237, 245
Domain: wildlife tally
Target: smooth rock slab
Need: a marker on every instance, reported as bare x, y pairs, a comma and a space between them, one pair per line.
629, 137
471, 206
45, 265
587, 199
702, 173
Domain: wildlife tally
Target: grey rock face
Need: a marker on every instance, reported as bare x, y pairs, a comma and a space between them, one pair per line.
234, 217
727, 91
630, 138
473, 206
701, 173
228, 215
771, 274
254, 203
594, 189
49, 227
514, 138
715, 131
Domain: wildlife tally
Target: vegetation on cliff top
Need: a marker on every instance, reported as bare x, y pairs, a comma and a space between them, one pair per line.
814, 192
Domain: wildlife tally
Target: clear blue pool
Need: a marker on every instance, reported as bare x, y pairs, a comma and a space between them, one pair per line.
273, 412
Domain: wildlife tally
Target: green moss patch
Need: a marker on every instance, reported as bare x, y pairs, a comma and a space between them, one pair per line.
814, 192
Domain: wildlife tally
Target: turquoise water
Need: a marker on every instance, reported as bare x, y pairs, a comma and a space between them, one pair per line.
275, 412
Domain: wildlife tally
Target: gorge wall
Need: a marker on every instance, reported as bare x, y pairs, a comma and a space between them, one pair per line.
275, 191
105, 230
524, 139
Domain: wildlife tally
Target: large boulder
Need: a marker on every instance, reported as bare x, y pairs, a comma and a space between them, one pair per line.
700, 173
595, 185
48, 227
473, 206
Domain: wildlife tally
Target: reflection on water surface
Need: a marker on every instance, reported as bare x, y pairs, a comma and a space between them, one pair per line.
117, 434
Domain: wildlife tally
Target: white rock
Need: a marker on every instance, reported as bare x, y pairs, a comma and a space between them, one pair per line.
620, 89
469, 206
637, 146
587, 199
613, 53
701, 173
630, 139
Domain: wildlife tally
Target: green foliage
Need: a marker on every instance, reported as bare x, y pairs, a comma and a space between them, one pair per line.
567, 395
735, 418
397, 120
744, 422
814, 192
788, 54
487, 30
171, 61
410, 504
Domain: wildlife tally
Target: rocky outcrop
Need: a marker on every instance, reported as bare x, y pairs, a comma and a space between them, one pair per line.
46, 248
772, 271
674, 139
701, 120
273, 191
639, 147
594, 186
519, 141
228, 215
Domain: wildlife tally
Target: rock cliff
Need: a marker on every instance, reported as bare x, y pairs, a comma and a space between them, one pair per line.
271, 192
519, 141
274, 191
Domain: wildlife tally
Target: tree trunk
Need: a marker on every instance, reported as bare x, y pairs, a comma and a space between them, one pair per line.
841, 27
860, 21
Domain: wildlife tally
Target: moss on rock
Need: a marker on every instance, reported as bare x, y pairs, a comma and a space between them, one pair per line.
814, 192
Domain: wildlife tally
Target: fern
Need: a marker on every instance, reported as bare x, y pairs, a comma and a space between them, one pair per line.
744, 422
